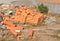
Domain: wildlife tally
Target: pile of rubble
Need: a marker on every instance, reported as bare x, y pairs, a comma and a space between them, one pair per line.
26, 15
22, 15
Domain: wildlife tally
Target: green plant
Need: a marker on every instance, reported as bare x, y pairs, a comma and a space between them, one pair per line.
42, 8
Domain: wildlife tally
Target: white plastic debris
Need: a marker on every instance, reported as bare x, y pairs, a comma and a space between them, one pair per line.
50, 20
8, 12
17, 30
3, 26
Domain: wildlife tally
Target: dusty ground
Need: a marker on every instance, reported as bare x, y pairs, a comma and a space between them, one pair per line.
42, 33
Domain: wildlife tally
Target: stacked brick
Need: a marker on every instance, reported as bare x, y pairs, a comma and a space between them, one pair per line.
26, 15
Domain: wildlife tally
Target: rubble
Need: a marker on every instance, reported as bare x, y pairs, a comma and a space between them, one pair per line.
22, 15
29, 16
50, 20
9, 13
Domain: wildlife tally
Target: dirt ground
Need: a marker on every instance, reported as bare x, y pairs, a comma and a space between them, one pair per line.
42, 33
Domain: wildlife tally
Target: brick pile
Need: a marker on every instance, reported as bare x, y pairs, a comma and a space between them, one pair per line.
26, 15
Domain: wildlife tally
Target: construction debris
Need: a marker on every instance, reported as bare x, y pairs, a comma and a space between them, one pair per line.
9, 13
50, 20
26, 15
22, 15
